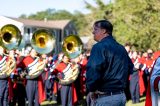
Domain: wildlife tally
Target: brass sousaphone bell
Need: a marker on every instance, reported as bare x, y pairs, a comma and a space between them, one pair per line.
10, 38
72, 47
43, 42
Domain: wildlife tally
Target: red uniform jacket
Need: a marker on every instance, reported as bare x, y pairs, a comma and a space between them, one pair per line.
148, 94
141, 81
10, 88
59, 69
25, 62
83, 76
156, 55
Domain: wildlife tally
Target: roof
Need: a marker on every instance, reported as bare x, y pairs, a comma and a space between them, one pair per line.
60, 24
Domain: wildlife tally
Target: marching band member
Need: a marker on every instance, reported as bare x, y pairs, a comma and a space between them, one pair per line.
67, 92
19, 92
153, 90
83, 64
34, 87
128, 48
5, 83
134, 80
80, 82
50, 86
142, 73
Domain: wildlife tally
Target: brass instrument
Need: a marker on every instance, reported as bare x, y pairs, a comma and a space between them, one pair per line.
71, 77
72, 47
10, 38
8, 67
43, 42
36, 71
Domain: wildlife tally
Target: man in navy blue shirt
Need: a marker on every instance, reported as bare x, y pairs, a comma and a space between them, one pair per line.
108, 68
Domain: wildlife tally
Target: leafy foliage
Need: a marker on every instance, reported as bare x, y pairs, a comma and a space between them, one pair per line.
51, 14
135, 21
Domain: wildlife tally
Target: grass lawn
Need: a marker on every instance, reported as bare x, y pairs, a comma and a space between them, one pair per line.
129, 103
142, 102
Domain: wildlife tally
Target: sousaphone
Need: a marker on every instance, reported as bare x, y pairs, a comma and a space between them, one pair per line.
10, 38
72, 47
7, 67
43, 42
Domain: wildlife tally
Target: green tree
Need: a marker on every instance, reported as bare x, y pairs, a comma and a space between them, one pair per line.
80, 22
51, 14
23, 16
137, 21
99, 11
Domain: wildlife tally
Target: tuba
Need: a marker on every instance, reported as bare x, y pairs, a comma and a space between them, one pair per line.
7, 68
43, 42
10, 38
37, 70
71, 77
72, 47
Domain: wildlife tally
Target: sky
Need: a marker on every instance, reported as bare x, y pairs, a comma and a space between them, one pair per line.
15, 8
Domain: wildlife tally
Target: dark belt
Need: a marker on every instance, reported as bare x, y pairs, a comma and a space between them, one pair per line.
109, 93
